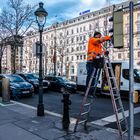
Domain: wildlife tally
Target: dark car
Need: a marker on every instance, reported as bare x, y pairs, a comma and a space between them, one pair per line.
33, 79
61, 84
18, 86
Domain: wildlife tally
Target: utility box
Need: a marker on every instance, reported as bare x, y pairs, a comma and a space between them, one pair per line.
5, 90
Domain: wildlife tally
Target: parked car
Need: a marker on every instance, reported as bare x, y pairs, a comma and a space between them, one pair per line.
61, 84
33, 79
18, 86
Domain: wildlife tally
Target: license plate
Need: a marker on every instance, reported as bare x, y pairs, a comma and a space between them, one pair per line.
45, 87
25, 92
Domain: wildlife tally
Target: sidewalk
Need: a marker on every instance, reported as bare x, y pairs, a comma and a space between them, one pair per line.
19, 122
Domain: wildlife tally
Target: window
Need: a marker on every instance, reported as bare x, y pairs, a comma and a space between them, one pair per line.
105, 22
77, 38
67, 58
90, 34
90, 26
61, 41
80, 29
77, 48
67, 41
119, 55
72, 49
138, 54
61, 34
67, 50
80, 38
138, 42
138, 16
72, 69
84, 37
77, 57
72, 40
72, 58
138, 27
84, 56
84, 28
67, 32
80, 48
72, 31
80, 57
51, 52
125, 74
51, 35
97, 24
77, 30
84, 48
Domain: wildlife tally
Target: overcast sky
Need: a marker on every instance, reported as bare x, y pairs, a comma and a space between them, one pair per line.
67, 9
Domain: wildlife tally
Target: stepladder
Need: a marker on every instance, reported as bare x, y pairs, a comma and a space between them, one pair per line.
86, 104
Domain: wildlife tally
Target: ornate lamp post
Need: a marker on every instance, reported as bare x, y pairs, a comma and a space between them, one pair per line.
41, 15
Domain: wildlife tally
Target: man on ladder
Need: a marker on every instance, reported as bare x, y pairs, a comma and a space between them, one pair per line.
94, 65
94, 57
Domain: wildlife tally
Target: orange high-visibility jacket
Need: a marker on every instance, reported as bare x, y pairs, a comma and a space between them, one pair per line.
95, 47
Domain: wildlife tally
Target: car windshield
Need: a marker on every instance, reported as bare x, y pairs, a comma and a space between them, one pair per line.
15, 79
63, 79
126, 73
31, 76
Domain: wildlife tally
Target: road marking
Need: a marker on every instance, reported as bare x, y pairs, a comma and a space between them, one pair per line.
112, 118
34, 108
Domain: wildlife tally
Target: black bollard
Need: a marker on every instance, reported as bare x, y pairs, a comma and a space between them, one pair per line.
66, 120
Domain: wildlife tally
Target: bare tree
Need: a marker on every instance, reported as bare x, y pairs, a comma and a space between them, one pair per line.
62, 48
3, 36
17, 18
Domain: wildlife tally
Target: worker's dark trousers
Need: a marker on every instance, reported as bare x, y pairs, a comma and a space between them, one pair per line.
97, 64
90, 66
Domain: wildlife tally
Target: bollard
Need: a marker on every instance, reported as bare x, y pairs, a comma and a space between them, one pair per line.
66, 120
5, 90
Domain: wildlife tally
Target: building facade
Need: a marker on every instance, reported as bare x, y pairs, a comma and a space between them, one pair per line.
68, 40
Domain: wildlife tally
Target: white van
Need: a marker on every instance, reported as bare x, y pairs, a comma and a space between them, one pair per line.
121, 71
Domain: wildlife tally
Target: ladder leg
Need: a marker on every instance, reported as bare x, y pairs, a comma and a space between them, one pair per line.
96, 81
115, 98
84, 99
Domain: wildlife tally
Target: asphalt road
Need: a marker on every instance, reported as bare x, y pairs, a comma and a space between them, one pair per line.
101, 108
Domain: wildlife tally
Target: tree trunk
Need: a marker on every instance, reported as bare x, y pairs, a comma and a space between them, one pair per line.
62, 66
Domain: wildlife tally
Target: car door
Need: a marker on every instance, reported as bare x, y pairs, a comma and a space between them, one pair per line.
49, 78
55, 83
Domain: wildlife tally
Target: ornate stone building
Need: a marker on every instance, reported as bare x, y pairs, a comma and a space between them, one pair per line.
70, 38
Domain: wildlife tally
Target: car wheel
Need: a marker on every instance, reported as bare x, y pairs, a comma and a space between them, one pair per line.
62, 89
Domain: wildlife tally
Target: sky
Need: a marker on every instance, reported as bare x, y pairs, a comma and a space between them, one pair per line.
60, 10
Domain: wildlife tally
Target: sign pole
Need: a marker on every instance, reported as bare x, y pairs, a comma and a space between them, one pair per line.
131, 76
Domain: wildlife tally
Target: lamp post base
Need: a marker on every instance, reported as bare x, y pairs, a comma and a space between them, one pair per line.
40, 110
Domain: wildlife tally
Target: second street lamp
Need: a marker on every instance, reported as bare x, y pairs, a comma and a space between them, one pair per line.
41, 15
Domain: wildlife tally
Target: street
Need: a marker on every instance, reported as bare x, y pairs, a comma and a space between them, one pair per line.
101, 109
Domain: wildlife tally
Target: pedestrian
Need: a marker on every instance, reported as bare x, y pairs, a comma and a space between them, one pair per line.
94, 59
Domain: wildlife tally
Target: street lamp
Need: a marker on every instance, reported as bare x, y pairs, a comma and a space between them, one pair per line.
41, 15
